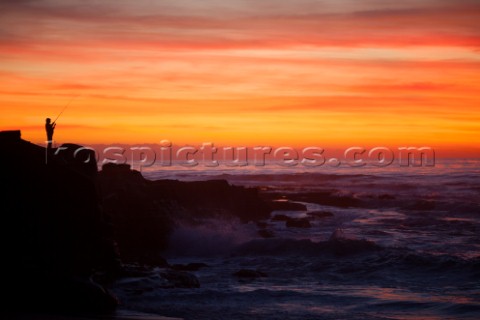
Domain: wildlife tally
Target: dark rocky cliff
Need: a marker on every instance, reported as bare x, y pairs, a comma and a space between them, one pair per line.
65, 225
144, 212
54, 235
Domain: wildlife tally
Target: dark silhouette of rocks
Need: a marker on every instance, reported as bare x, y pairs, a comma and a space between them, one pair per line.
66, 225
9, 136
55, 237
144, 212
214, 198
141, 221
77, 158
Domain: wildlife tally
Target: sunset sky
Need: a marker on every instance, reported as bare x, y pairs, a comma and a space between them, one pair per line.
329, 73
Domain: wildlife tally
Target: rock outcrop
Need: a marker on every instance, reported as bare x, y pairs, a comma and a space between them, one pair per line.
66, 225
144, 212
55, 237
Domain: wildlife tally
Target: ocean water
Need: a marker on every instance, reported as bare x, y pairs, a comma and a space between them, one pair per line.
404, 243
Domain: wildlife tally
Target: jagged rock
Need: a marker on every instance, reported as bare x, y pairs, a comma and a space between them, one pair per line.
213, 198
141, 221
55, 231
9, 136
77, 158
62, 218
143, 211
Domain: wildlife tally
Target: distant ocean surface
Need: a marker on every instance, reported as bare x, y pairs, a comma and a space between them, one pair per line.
410, 250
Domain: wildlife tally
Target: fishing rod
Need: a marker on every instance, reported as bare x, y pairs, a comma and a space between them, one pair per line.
64, 108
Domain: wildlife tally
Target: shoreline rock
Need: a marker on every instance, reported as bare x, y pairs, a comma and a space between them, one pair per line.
144, 212
56, 233
70, 229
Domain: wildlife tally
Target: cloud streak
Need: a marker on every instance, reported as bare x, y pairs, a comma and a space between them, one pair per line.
436, 23
325, 65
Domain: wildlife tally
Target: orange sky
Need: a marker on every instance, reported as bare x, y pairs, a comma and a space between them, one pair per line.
326, 73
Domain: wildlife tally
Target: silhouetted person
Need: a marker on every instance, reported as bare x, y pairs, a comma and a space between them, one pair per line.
49, 127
